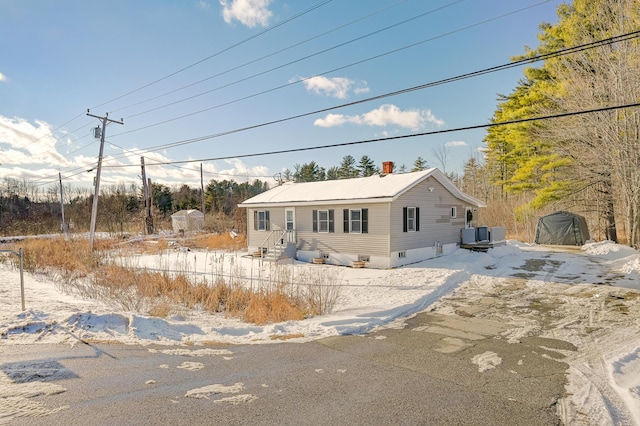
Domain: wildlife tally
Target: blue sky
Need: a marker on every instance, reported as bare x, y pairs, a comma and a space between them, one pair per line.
177, 71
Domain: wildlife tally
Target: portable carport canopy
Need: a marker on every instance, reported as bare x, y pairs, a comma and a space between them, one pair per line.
562, 228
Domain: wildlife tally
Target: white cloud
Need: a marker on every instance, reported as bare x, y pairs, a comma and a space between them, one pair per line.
32, 144
455, 143
336, 87
248, 12
28, 151
331, 120
385, 115
363, 88
240, 172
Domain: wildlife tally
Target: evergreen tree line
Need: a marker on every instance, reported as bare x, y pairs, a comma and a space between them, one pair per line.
588, 163
347, 169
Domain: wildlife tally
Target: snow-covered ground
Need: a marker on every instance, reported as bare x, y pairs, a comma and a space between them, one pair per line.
589, 297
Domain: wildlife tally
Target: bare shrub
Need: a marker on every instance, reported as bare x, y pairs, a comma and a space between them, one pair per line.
321, 289
113, 277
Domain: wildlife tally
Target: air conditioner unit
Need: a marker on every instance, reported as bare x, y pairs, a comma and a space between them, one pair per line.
482, 233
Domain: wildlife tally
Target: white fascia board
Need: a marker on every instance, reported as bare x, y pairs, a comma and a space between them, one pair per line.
319, 203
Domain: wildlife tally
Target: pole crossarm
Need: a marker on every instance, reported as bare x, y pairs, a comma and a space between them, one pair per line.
105, 118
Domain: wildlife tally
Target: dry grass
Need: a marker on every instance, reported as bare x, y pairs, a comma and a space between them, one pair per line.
69, 257
275, 306
223, 241
100, 275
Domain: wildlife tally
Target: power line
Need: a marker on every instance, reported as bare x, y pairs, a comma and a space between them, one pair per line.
532, 59
413, 135
279, 87
520, 62
261, 58
329, 71
353, 40
226, 49
56, 128
318, 5
544, 56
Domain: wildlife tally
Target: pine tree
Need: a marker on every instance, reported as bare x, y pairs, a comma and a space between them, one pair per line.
333, 173
347, 169
367, 167
419, 165
310, 172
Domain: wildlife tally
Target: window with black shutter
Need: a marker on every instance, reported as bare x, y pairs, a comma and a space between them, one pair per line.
323, 221
355, 221
365, 221
345, 221
410, 219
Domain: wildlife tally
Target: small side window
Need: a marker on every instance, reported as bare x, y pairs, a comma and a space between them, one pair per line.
454, 211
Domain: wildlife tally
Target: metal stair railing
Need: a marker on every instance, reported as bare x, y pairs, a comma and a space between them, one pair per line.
276, 241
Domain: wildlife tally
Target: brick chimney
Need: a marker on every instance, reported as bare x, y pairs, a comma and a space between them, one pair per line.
387, 167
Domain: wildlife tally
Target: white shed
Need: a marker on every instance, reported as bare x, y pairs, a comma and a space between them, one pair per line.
187, 220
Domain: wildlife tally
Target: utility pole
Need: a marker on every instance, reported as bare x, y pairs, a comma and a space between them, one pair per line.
64, 224
94, 211
146, 189
201, 189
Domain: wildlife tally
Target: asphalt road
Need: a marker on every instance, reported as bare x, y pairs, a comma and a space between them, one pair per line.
427, 373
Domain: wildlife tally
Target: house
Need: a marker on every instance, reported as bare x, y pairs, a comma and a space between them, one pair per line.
187, 220
386, 220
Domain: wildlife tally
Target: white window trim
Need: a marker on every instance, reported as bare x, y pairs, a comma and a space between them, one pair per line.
351, 231
293, 219
264, 220
320, 221
413, 220
454, 211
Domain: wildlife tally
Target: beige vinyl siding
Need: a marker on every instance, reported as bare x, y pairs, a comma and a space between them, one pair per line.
276, 221
436, 223
373, 243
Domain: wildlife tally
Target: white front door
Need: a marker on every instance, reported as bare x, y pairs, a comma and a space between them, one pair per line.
290, 219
